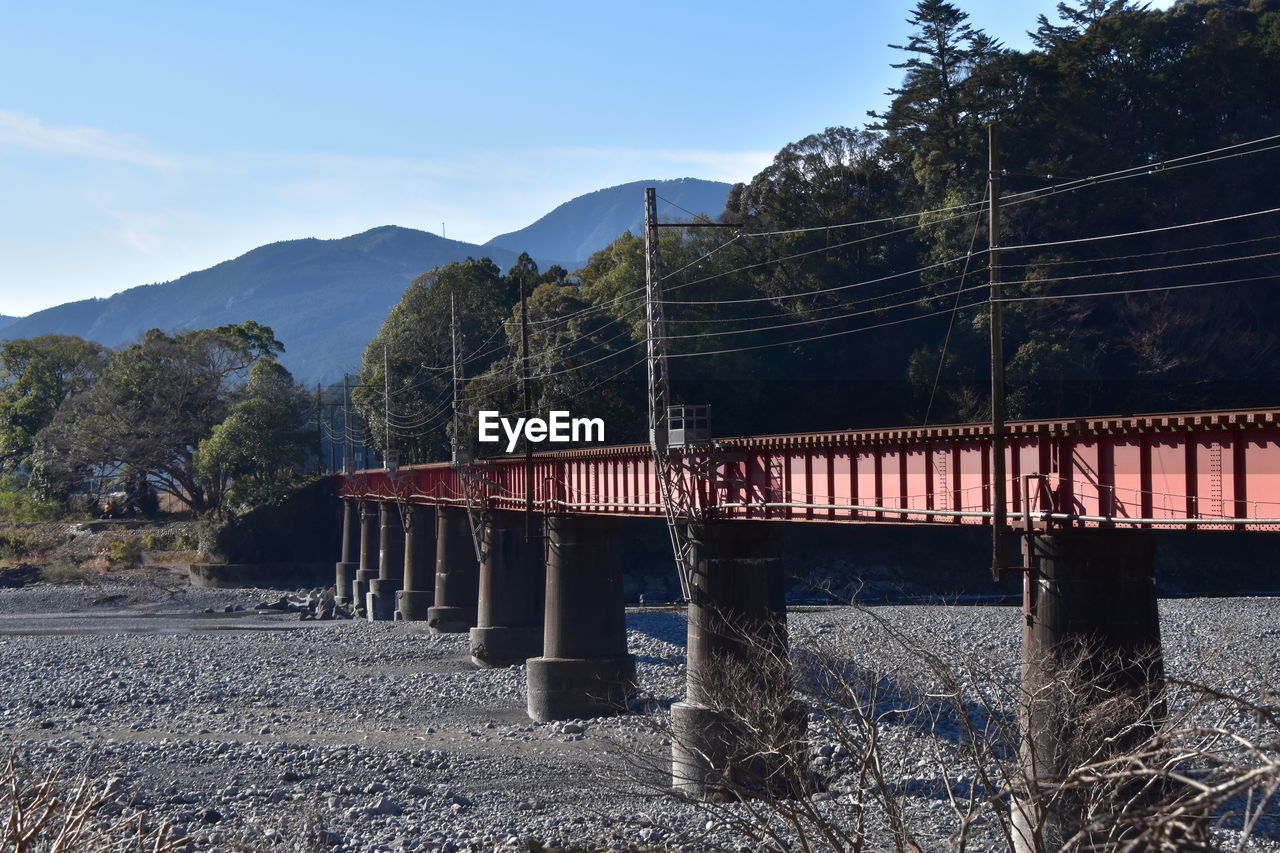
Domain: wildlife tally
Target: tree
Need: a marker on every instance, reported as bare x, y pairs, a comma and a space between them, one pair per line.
415, 342
264, 440
36, 376
936, 115
153, 404
582, 360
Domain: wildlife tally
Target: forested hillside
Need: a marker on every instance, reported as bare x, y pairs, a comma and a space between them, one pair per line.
1137, 169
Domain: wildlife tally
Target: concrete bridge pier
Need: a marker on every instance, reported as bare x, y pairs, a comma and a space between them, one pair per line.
457, 574
512, 585
585, 670
381, 597
738, 733
368, 570
418, 590
349, 564
1092, 669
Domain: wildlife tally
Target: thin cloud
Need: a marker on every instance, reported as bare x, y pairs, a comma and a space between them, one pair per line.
30, 132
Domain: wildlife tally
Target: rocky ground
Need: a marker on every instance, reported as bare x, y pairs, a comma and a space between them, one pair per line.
255, 730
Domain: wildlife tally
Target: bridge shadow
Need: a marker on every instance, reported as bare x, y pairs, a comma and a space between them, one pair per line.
665, 626
843, 691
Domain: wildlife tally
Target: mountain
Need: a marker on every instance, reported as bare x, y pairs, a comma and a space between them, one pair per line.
325, 299
588, 223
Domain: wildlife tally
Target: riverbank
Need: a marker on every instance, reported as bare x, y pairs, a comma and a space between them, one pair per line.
252, 729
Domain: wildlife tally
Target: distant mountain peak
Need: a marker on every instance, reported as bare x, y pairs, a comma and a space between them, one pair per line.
326, 298
584, 225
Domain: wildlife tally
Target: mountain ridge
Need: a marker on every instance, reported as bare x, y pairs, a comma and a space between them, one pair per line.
326, 298
312, 292
585, 224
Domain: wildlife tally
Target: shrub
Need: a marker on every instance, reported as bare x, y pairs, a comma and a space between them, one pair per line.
55, 815
14, 545
65, 572
22, 504
124, 551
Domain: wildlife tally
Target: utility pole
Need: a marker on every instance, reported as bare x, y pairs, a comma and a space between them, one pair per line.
999, 520
348, 438
319, 432
455, 338
387, 442
528, 412
655, 327
333, 444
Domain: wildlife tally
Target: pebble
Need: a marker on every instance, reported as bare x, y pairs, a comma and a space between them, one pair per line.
383, 737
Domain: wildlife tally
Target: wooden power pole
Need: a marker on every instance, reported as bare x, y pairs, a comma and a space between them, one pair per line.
999, 517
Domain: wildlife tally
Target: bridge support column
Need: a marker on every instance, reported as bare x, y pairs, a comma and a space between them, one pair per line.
512, 585
418, 590
1092, 670
738, 732
457, 581
585, 670
349, 564
368, 570
381, 598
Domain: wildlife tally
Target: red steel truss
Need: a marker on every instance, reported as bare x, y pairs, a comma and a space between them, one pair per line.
1192, 469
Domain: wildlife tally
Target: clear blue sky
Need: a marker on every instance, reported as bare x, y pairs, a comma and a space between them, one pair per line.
142, 140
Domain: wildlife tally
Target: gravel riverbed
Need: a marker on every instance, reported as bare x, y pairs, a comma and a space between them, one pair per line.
258, 731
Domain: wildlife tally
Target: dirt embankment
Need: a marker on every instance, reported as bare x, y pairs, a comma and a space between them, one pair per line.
85, 551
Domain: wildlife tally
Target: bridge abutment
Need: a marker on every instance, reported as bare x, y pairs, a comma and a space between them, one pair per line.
380, 600
585, 670
738, 732
349, 563
1092, 670
418, 584
512, 586
457, 581
368, 569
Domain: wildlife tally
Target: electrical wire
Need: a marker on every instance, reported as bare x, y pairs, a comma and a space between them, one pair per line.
1113, 273
683, 209
735, 238
835, 307
797, 323
1145, 169
1161, 252
1040, 281
1166, 287
946, 340
841, 333
1139, 233
819, 291
795, 255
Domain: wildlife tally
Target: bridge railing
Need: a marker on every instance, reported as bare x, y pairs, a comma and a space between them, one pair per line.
1207, 470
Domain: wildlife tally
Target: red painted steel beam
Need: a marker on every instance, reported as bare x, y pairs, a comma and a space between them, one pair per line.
1207, 470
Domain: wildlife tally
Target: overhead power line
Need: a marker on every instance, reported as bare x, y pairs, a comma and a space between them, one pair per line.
1140, 233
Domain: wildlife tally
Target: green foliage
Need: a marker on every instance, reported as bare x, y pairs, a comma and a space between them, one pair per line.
36, 376
65, 572
126, 552
940, 110
167, 541
14, 545
153, 405
18, 502
261, 445
415, 340
808, 320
